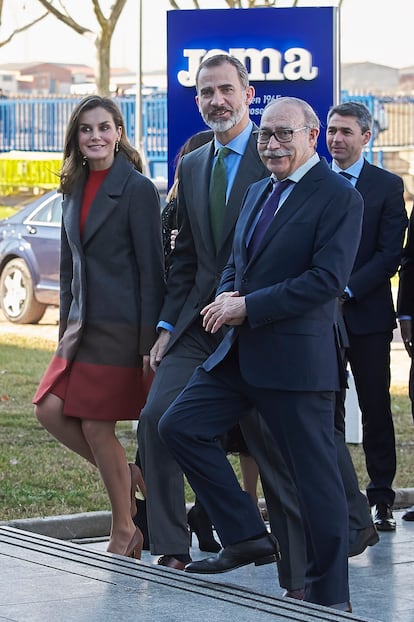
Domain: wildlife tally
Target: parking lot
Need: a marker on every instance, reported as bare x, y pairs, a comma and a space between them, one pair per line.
46, 329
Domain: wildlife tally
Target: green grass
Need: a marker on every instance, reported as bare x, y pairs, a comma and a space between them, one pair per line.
404, 439
39, 477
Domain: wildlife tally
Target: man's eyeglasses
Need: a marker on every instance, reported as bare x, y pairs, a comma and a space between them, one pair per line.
282, 134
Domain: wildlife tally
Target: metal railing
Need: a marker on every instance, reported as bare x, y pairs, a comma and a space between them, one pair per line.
39, 124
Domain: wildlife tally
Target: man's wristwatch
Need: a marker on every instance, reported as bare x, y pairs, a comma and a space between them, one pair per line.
344, 296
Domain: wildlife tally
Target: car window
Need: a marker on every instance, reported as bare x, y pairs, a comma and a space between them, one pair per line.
48, 213
57, 209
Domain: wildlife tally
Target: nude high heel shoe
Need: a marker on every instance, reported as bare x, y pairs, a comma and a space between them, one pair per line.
134, 548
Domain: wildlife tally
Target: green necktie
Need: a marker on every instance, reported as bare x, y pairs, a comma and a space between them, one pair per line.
217, 194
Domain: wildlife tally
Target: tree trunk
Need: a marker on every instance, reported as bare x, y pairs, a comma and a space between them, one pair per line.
103, 55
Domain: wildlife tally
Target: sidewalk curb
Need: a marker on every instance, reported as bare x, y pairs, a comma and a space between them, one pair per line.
66, 526
98, 524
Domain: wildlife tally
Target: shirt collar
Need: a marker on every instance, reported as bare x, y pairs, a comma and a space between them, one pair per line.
300, 172
354, 169
239, 143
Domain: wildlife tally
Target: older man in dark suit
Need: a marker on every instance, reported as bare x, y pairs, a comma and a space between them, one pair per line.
367, 307
202, 248
293, 251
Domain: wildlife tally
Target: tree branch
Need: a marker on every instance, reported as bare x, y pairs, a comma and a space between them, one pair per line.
64, 17
116, 10
19, 30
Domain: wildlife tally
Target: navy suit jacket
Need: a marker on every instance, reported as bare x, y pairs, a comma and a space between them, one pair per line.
379, 254
291, 284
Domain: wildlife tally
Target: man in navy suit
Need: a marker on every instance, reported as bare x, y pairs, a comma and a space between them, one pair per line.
367, 307
223, 97
278, 293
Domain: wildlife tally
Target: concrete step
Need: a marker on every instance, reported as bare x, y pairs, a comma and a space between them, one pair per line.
44, 578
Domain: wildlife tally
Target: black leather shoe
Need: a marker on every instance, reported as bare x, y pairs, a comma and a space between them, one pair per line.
359, 539
264, 550
409, 514
384, 520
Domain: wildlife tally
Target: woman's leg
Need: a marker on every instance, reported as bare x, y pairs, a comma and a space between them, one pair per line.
96, 442
67, 430
111, 461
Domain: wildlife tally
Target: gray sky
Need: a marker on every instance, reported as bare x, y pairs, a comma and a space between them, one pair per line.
379, 31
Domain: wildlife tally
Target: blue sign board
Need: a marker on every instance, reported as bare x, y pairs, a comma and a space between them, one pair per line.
282, 51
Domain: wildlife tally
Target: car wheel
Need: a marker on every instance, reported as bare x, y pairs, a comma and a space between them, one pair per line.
17, 299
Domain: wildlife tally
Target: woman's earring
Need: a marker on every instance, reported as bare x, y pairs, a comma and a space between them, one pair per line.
84, 160
117, 146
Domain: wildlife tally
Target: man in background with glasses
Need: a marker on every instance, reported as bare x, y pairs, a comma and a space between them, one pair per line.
294, 246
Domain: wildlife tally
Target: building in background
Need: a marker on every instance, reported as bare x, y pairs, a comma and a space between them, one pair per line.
44, 79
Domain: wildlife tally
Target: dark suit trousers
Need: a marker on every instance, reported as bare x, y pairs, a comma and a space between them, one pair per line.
369, 357
302, 425
359, 514
167, 520
281, 499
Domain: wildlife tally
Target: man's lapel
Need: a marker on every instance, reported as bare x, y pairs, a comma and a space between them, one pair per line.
251, 170
301, 194
200, 188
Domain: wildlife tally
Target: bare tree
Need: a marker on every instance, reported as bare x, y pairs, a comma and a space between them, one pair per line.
236, 4
247, 4
17, 30
102, 37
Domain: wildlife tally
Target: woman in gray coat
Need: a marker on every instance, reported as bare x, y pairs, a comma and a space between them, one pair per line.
112, 287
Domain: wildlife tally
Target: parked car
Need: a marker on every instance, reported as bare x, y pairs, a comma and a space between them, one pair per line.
29, 258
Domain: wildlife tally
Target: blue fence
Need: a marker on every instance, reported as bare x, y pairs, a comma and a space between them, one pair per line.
39, 124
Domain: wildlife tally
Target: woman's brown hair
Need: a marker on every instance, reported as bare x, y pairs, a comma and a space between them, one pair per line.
74, 167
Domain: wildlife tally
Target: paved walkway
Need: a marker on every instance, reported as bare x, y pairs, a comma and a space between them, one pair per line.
43, 578
48, 579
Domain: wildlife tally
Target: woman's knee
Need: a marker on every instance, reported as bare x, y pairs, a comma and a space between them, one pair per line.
40, 414
98, 432
48, 410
